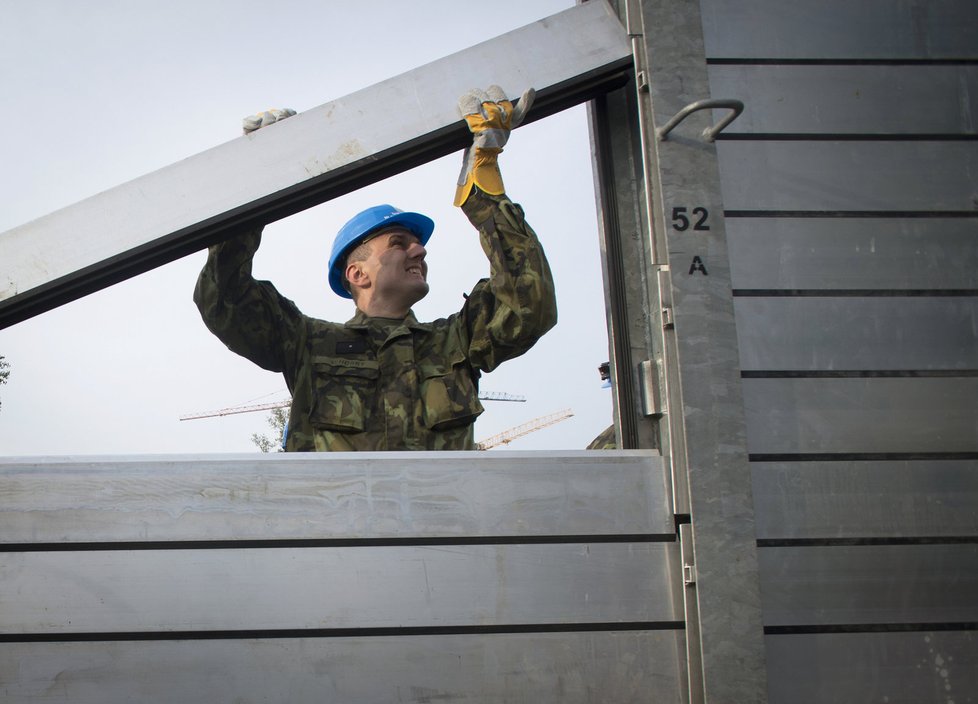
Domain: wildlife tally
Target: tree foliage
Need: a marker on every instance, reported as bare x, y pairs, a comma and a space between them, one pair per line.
278, 420
4, 370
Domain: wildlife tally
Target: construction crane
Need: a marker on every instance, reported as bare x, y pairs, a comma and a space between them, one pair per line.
507, 436
484, 396
238, 409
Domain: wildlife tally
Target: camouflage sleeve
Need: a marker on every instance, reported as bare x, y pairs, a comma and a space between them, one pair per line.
250, 317
506, 314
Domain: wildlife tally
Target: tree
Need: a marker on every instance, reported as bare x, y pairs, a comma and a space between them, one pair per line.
4, 370
278, 420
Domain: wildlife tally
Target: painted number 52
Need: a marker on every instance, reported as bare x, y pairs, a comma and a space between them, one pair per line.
681, 222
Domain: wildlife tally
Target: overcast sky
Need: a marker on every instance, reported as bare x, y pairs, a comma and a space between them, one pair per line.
100, 92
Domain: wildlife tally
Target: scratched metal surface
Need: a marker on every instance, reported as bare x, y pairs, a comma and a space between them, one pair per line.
391, 495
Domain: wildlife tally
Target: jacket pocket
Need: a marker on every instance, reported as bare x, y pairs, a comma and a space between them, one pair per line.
344, 388
449, 396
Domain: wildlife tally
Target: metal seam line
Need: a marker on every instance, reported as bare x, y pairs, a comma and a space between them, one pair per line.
246, 544
858, 456
341, 632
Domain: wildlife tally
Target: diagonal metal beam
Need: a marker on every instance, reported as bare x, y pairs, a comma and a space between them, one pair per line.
308, 159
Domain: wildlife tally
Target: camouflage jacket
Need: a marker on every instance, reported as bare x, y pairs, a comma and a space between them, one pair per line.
378, 384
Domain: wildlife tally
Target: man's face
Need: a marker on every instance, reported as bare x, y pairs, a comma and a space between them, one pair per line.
397, 268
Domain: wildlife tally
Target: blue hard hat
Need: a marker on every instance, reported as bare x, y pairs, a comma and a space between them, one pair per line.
364, 224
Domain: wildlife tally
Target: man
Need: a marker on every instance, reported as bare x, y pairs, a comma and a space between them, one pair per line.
382, 380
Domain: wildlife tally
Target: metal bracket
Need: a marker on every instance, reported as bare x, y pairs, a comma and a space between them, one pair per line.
665, 297
686, 550
642, 81
648, 375
710, 133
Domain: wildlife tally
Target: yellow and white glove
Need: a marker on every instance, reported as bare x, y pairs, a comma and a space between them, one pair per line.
491, 117
262, 119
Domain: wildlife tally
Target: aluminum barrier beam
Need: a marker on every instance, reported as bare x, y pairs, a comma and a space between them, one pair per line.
306, 160
350, 577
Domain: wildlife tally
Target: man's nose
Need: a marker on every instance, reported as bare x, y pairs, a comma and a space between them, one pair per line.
417, 251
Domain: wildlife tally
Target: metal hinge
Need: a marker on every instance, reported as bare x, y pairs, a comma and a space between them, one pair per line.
686, 554
665, 297
633, 21
667, 322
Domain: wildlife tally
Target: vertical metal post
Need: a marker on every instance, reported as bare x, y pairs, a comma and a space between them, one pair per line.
623, 215
688, 233
620, 204
684, 318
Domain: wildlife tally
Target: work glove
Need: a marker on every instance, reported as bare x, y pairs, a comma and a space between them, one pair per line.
256, 122
490, 117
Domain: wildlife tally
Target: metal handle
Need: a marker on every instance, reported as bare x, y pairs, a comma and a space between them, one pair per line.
710, 133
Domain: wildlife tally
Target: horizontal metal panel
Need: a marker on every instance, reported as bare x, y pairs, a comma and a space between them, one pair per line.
850, 99
303, 161
857, 333
869, 584
563, 668
333, 496
861, 415
896, 668
848, 176
853, 253
839, 29
339, 587
875, 499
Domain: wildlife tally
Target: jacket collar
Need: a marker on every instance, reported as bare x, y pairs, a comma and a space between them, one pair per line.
360, 320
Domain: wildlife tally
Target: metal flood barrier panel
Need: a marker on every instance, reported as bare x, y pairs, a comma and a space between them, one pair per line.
370, 577
849, 189
847, 232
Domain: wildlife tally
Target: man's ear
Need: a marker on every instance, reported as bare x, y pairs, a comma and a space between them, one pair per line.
357, 277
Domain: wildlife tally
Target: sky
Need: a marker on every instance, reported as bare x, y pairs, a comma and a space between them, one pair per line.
101, 92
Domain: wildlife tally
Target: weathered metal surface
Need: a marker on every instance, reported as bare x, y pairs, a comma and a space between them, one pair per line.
862, 415
896, 668
872, 100
305, 160
333, 496
866, 499
849, 194
869, 584
848, 176
362, 586
355, 577
912, 334
550, 668
839, 29
883, 253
